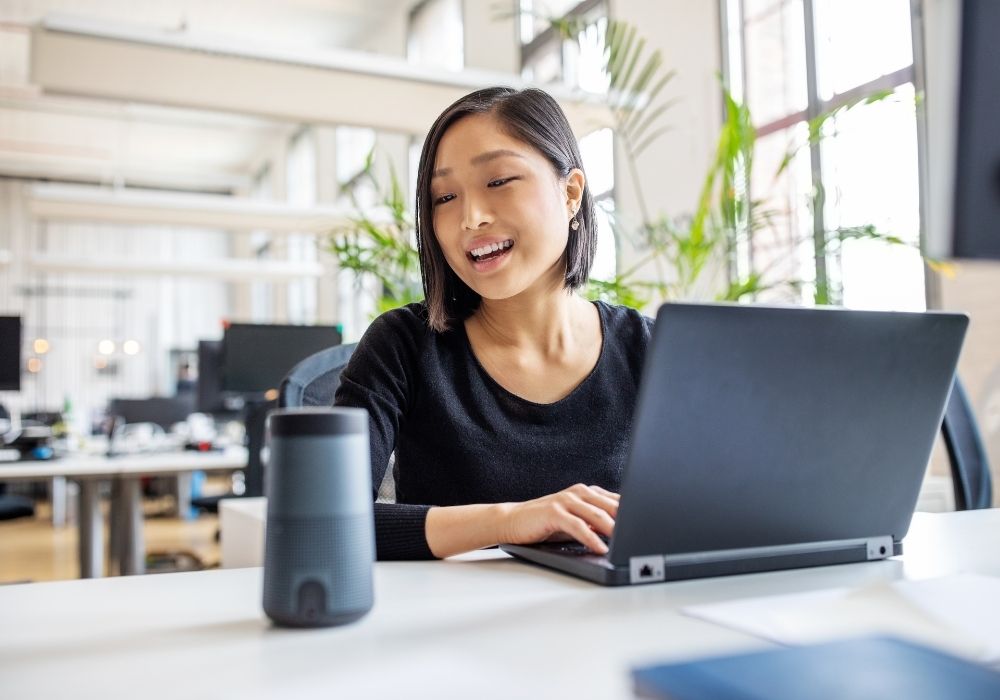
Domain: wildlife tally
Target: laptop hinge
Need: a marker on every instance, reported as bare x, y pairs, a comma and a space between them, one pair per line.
875, 548
652, 568
880, 547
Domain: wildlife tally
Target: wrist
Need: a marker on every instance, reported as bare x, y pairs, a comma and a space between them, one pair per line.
500, 518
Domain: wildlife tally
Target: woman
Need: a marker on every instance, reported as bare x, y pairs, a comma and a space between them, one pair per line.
506, 396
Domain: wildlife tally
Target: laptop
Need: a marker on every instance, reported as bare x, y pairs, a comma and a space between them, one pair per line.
769, 438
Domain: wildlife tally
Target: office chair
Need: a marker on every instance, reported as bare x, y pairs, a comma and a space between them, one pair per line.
970, 467
314, 380
13, 506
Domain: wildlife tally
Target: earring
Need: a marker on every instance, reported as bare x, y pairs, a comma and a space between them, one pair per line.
574, 224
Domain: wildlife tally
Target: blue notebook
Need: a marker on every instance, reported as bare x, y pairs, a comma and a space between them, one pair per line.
871, 668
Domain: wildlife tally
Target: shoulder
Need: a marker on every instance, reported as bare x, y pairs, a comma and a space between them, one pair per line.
385, 359
626, 337
408, 321
395, 337
625, 322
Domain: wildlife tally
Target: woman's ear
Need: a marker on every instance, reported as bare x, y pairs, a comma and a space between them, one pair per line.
575, 182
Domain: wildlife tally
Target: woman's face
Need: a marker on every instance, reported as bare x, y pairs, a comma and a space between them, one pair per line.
501, 213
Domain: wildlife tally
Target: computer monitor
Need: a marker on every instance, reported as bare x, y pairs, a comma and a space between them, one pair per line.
256, 357
210, 396
962, 60
49, 418
162, 410
10, 353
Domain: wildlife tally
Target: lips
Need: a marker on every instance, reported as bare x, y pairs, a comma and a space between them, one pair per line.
485, 251
489, 255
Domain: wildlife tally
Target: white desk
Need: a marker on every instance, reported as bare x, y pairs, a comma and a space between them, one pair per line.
125, 471
481, 626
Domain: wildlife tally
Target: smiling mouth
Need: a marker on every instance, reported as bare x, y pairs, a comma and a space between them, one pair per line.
488, 252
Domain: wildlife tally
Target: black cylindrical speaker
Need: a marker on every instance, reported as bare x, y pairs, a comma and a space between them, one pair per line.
320, 541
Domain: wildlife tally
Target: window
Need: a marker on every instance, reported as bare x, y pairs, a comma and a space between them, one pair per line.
546, 58
597, 151
792, 60
353, 146
300, 185
436, 36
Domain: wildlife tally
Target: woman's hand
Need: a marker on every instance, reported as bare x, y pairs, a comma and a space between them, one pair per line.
579, 512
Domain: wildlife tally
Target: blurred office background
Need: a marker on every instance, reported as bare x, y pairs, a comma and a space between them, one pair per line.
168, 166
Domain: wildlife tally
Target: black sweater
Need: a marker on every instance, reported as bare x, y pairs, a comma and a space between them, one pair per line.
461, 438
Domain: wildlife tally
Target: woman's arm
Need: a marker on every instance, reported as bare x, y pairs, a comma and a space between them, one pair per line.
579, 512
378, 379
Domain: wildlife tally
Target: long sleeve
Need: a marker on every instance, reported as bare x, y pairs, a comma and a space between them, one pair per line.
460, 438
380, 379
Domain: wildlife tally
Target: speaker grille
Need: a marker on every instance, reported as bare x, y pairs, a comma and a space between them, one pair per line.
335, 551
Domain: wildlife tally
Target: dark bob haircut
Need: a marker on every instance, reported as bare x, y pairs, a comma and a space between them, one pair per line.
531, 116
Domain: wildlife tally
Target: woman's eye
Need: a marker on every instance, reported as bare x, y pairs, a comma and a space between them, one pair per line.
444, 198
499, 181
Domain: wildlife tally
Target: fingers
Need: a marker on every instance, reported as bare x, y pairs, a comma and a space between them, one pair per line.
580, 512
595, 495
595, 518
575, 527
605, 492
589, 512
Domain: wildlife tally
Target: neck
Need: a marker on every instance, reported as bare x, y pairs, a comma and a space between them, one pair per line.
546, 319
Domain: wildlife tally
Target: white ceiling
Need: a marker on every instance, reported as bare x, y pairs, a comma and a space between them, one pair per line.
315, 23
68, 138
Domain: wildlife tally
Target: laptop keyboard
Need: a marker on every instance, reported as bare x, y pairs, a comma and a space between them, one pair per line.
573, 548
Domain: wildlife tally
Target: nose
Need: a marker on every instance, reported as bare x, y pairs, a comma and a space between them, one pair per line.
475, 214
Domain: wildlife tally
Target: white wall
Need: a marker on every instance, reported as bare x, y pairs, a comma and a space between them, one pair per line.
672, 169
74, 312
974, 288
491, 42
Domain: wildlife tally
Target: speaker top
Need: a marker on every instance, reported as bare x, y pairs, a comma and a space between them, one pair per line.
333, 421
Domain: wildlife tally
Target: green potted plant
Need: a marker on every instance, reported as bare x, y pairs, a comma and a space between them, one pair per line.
679, 257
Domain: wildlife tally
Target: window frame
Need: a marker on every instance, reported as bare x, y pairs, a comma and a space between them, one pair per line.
734, 75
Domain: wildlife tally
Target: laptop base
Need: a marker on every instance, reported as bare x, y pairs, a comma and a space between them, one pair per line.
600, 570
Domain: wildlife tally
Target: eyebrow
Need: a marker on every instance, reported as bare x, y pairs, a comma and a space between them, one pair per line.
480, 159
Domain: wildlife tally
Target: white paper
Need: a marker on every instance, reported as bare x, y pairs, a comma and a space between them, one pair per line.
959, 613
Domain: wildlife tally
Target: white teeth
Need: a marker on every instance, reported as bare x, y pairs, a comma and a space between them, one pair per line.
490, 248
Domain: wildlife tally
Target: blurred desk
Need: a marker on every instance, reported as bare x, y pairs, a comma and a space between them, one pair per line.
125, 471
479, 625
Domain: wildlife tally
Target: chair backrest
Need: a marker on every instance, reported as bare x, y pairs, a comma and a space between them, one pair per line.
314, 380
13, 506
970, 467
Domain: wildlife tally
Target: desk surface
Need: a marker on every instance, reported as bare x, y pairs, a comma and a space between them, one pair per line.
146, 464
481, 626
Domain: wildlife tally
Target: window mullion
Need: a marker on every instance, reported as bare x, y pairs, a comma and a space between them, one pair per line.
813, 109
885, 82
932, 282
